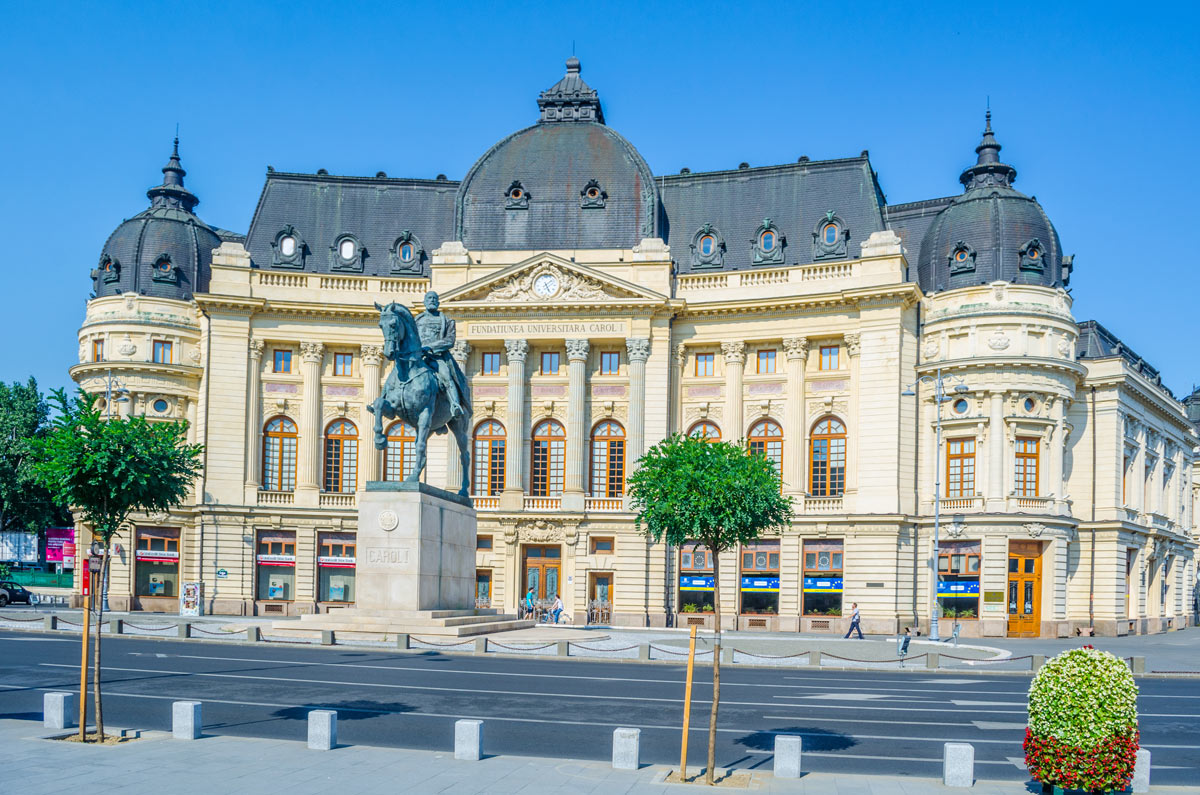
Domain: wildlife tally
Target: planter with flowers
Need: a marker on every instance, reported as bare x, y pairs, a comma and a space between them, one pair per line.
1083, 725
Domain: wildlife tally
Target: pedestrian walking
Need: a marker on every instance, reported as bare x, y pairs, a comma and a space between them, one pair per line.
557, 609
530, 602
854, 621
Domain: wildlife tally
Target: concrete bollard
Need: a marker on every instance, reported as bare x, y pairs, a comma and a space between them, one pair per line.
958, 764
644, 651
58, 710
625, 754
252, 634
933, 660
116, 626
402, 641
185, 720
322, 729
481, 645
51, 622
185, 629
814, 658
1036, 661
562, 648
327, 637
1141, 771
468, 740
726, 655
787, 756
1138, 665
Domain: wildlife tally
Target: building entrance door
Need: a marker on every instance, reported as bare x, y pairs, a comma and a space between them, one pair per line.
1024, 589
543, 566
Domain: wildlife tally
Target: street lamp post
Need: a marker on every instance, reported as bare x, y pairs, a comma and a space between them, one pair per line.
939, 397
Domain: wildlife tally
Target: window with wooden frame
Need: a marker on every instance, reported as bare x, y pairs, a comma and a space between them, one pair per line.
550, 362
827, 458
343, 364
336, 545
341, 457
483, 542
830, 356
549, 454
488, 464
400, 454
608, 460
706, 430
695, 557
766, 438
97, 350
704, 364
1026, 476
610, 362
960, 467
282, 362
279, 455
601, 545
162, 351
490, 364
276, 546
766, 362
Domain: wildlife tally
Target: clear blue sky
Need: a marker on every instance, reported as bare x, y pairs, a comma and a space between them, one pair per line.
1097, 108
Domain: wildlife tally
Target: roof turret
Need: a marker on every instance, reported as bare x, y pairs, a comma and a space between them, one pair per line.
570, 99
171, 192
988, 170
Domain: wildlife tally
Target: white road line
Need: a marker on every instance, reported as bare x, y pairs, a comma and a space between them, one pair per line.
991, 725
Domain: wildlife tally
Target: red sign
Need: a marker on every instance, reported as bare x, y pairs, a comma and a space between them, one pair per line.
87, 581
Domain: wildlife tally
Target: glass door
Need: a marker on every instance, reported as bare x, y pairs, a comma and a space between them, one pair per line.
1024, 589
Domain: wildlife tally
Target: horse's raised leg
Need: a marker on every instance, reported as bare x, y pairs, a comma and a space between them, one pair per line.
462, 436
423, 423
377, 408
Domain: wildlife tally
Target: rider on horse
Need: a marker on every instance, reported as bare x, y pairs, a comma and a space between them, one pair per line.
437, 334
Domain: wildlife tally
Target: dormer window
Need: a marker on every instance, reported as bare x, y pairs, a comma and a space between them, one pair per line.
829, 234
347, 250
287, 248
516, 197
708, 248
162, 270
110, 269
593, 197
1032, 256
347, 253
962, 258
768, 244
407, 253
766, 241
708, 244
830, 237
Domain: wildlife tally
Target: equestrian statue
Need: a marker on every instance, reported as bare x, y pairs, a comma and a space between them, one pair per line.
425, 387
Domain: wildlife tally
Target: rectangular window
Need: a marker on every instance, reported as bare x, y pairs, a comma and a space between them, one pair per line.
1026, 480
829, 357
958, 578
760, 578
704, 364
342, 363
610, 363
823, 578
695, 578
335, 567
283, 362
157, 561
491, 363
483, 588
550, 363
602, 546
483, 542
97, 350
766, 362
489, 466
960, 468
162, 352
275, 564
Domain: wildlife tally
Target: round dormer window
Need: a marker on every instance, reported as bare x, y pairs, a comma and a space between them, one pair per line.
287, 246
960, 255
346, 249
407, 252
1034, 254
516, 193
593, 193
766, 241
961, 406
708, 244
830, 234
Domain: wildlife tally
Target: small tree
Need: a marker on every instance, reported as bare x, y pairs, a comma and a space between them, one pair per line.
717, 494
106, 469
25, 505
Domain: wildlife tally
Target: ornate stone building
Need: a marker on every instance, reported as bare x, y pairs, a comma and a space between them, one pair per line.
600, 308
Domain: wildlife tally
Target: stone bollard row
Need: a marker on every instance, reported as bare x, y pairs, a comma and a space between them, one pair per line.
1141, 772
787, 756
185, 720
468, 740
327, 637
402, 641
322, 729
625, 751
58, 710
958, 765
933, 660
185, 629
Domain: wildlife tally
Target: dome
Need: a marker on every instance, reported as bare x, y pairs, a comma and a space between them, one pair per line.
567, 182
164, 251
991, 232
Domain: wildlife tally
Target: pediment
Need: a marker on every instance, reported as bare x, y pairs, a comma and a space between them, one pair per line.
547, 279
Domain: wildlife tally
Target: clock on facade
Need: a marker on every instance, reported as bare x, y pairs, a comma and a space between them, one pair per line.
546, 285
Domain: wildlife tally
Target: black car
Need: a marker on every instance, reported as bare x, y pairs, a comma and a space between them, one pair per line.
12, 593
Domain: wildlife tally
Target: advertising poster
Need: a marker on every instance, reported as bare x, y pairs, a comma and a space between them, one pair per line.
189, 599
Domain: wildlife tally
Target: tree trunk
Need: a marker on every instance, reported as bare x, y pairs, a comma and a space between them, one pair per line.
99, 623
716, 695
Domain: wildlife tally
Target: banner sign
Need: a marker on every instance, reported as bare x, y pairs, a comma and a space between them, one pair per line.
157, 556
335, 562
823, 584
760, 584
277, 560
19, 547
958, 588
56, 540
695, 583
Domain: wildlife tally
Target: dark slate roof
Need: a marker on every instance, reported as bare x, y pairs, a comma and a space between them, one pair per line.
912, 220
1097, 342
795, 197
375, 210
1191, 404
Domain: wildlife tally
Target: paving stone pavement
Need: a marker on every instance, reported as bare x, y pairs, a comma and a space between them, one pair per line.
156, 763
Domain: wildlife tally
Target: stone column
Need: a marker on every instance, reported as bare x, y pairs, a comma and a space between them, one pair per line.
308, 462
796, 349
638, 349
372, 358
856, 427
461, 351
254, 418
735, 364
513, 498
573, 491
996, 443
677, 388
1058, 443
1137, 480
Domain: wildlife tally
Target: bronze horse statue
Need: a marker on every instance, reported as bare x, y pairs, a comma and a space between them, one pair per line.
411, 392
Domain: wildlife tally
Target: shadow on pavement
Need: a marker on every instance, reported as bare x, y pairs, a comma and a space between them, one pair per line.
814, 739
346, 710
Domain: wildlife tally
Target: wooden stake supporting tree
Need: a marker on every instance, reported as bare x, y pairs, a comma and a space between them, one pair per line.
717, 494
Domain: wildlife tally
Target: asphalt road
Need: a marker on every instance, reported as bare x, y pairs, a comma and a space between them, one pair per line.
867, 722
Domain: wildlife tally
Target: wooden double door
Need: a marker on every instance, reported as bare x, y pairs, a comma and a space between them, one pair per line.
542, 572
1024, 589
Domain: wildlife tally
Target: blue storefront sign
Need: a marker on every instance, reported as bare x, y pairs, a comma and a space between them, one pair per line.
823, 584
763, 584
695, 583
958, 588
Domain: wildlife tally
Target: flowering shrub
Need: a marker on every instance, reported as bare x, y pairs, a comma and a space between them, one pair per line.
1083, 729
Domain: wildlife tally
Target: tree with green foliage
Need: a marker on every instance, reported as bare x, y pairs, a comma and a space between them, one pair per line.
689, 491
25, 505
107, 469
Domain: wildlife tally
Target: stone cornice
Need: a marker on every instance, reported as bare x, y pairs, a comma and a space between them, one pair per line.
91, 369
208, 303
1004, 363
904, 295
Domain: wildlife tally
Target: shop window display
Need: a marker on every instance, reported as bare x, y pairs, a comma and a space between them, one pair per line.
958, 579
823, 565
760, 578
695, 579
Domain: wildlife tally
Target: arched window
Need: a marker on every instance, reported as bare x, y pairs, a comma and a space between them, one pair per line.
706, 430
489, 459
279, 455
766, 438
341, 456
400, 453
549, 459
608, 460
827, 459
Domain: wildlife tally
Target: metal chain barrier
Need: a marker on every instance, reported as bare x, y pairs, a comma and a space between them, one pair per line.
435, 643
574, 644
22, 620
974, 661
69, 623
152, 629
826, 654
212, 632
521, 648
771, 656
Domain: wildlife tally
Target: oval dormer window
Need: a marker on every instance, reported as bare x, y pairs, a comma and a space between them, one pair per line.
407, 252
829, 235
707, 244
766, 241
287, 246
960, 255
346, 249
1033, 254
593, 193
515, 194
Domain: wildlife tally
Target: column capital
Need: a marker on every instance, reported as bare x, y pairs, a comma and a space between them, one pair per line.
734, 352
516, 350
853, 344
371, 355
795, 347
638, 349
680, 354
312, 352
577, 350
460, 350
256, 349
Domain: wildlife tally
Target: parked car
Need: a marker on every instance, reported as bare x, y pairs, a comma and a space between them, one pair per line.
11, 593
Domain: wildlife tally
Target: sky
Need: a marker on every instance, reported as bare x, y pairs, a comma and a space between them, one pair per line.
1097, 109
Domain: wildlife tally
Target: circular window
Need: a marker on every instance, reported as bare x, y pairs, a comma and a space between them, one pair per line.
161, 406
163, 265
960, 255
593, 193
767, 241
516, 193
287, 246
406, 252
830, 234
346, 249
707, 244
1030, 404
1034, 253
961, 406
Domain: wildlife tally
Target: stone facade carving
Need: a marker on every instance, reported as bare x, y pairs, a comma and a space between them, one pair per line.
540, 531
371, 354
569, 286
256, 349
577, 350
516, 350
1035, 529
680, 355
999, 341
930, 349
734, 352
956, 529
795, 347
312, 352
853, 344
460, 350
638, 349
